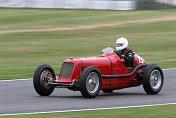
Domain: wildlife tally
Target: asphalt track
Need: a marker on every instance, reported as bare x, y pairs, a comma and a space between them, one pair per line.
20, 97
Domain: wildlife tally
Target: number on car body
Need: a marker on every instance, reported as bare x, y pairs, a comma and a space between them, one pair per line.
141, 60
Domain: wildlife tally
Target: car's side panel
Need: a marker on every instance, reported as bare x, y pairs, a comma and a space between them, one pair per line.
101, 62
119, 69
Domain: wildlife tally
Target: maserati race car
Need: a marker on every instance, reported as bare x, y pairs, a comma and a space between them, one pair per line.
91, 74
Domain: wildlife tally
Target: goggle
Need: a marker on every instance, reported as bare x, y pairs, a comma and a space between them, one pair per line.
119, 44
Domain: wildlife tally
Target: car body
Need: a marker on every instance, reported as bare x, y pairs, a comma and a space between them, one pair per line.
108, 64
92, 74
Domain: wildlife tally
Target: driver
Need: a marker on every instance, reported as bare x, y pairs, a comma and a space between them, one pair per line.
124, 53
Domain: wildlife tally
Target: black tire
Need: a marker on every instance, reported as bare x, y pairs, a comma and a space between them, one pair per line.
108, 90
38, 83
149, 79
85, 80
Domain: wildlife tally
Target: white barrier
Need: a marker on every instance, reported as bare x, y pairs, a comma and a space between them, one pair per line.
72, 4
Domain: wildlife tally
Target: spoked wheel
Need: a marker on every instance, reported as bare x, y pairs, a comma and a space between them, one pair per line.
90, 82
153, 79
43, 75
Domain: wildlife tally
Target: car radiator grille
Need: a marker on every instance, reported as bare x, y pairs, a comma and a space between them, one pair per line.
66, 70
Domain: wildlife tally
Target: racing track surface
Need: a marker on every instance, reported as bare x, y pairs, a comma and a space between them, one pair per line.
20, 97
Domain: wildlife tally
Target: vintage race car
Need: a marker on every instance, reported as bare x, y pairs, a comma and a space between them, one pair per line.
91, 74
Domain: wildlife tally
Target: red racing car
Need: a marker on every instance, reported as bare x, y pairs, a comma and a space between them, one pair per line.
91, 74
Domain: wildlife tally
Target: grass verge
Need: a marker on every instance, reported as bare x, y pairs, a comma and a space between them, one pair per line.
22, 52
165, 111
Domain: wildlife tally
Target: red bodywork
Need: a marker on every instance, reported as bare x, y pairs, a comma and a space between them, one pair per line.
108, 64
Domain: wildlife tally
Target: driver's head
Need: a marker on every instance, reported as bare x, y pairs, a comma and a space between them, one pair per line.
121, 43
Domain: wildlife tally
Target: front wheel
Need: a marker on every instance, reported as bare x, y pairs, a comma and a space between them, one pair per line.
43, 75
153, 79
90, 82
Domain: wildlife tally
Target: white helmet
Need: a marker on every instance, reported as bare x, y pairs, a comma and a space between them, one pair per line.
121, 43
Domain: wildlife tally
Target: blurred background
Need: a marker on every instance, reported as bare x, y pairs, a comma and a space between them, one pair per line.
91, 4
34, 32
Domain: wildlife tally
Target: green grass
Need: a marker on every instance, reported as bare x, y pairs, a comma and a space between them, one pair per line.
13, 19
166, 111
21, 53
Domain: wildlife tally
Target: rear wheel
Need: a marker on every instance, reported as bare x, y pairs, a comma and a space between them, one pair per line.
90, 82
43, 75
153, 79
